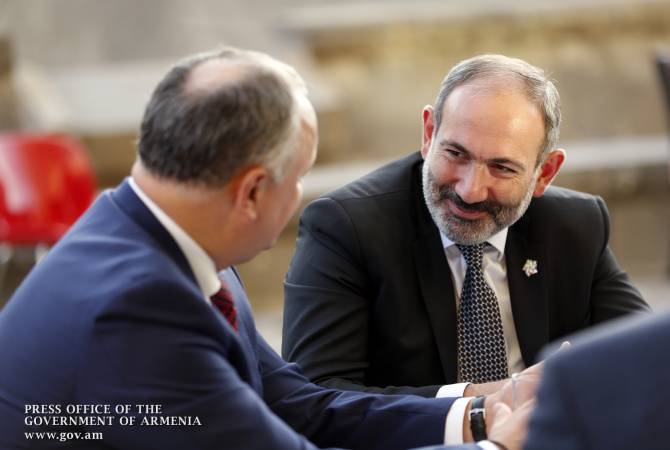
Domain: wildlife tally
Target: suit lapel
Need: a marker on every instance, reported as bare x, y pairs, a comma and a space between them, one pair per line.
438, 294
435, 282
528, 294
247, 358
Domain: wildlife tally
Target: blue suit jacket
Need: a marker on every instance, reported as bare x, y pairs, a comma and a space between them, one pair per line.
113, 315
610, 391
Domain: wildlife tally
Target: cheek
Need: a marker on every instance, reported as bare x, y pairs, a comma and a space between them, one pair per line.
512, 192
443, 171
291, 201
297, 196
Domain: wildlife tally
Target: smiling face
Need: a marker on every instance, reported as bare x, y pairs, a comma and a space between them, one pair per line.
480, 171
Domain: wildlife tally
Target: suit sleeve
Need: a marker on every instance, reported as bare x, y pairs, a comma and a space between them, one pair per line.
612, 294
330, 417
164, 350
327, 303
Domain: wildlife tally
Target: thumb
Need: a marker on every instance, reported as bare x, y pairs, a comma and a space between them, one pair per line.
501, 411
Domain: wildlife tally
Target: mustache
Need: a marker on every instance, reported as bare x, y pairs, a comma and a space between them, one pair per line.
488, 206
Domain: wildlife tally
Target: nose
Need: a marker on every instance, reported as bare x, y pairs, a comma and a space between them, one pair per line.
472, 186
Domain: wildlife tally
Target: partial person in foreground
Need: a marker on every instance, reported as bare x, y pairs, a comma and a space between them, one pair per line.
139, 304
609, 392
458, 263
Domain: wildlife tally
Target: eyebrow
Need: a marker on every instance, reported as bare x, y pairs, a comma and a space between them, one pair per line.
450, 143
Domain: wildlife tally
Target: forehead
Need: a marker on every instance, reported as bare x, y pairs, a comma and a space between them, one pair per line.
493, 118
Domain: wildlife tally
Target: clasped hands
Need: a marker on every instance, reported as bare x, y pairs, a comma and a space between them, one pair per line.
508, 405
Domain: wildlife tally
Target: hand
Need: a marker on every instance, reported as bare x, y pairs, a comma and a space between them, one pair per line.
515, 393
520, 387
510, 427
517, 390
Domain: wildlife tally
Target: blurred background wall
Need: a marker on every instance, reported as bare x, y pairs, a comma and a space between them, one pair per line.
88, 67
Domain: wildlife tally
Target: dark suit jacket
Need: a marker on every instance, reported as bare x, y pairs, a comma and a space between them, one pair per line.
610, 391
113, 315
370, 300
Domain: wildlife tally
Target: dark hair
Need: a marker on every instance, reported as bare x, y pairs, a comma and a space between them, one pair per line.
537, 86
203, 135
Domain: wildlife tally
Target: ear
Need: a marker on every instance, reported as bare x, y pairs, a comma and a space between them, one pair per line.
548, 170
428, 129
249, 187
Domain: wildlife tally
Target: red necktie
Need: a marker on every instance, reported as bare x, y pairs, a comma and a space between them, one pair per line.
223, 300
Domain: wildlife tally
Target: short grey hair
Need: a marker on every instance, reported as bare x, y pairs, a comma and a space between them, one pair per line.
203, 136
537, 86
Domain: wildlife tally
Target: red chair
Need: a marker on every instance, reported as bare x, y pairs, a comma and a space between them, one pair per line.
46, 183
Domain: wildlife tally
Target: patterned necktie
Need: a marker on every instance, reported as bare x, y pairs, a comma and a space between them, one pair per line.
482, 354
223, 300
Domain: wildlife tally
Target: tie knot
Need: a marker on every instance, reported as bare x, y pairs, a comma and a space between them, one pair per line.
223, 301
472, 253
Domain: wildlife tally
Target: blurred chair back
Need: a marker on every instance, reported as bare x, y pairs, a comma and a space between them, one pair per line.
663, 65
46, 183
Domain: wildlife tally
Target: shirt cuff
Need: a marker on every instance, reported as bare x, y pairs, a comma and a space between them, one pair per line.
453, 429
487, 445
452, 390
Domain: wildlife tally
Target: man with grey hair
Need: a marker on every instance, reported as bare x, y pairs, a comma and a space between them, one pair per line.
446, 271
135, 330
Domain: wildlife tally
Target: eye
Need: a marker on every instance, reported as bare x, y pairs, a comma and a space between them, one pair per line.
503, 169
455, 154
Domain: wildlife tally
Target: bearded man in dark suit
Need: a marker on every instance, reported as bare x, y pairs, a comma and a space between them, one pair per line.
449, 269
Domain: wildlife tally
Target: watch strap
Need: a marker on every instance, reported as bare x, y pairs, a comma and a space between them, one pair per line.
478, 418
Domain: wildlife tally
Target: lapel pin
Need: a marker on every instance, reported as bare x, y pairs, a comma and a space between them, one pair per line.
530, 267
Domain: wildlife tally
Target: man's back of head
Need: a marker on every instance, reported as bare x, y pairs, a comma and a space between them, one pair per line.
216, 112
222, 134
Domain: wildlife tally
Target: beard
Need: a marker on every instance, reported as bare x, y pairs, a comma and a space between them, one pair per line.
469, 231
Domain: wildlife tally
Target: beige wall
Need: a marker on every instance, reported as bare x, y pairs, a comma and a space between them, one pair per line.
601, 57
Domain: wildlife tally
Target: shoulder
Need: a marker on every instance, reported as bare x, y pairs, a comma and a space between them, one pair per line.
388, 190
562, 210
390, 196
604, 390
597, 351
111, 254
557, 198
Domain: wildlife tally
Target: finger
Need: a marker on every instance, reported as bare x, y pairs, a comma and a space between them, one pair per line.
527, 405
501, 410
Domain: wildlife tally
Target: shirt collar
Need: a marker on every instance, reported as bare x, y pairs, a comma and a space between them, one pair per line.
201, 264
497, 241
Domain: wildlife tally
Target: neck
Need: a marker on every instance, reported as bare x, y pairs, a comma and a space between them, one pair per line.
199, 211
